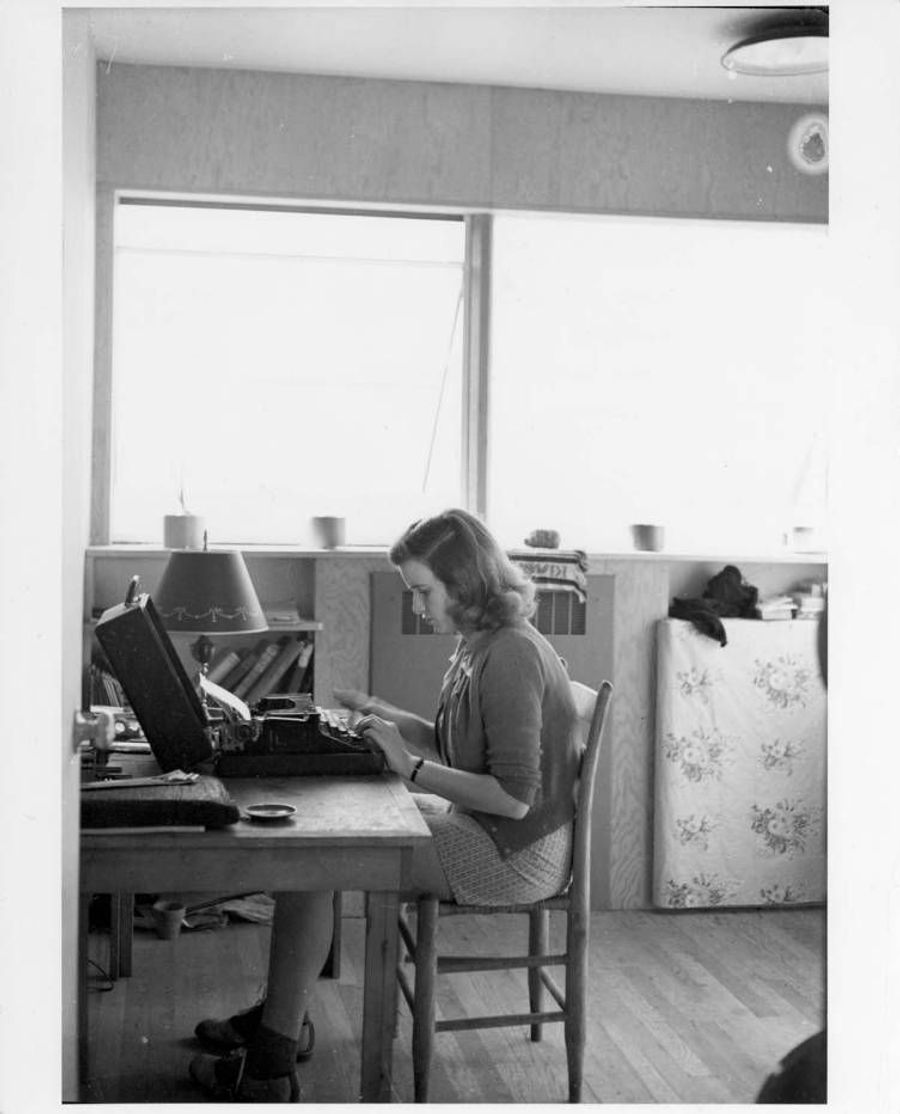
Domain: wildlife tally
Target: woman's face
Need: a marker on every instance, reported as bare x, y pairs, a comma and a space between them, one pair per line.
430, 598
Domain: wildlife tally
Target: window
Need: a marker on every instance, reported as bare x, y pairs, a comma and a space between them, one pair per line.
277, 364
651, 370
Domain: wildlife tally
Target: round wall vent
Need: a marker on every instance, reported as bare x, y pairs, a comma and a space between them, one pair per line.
808, 144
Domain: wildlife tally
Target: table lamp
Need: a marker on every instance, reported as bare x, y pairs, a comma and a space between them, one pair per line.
205, 591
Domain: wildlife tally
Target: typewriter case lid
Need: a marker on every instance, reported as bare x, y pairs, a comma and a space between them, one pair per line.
154, 680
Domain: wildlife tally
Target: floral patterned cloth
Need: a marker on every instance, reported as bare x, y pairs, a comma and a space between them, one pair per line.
740, 766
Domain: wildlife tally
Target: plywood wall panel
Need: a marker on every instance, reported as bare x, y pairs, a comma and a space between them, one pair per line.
658, 156
284, 135
641, 597
343, 605
351, 139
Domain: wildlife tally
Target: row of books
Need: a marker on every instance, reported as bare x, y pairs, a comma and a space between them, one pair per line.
105, 688
273, 665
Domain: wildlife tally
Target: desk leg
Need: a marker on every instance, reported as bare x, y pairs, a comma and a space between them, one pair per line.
332, 968
121, 932
379, 996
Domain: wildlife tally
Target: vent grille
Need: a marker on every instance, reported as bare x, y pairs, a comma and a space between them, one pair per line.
557, 613
560, 613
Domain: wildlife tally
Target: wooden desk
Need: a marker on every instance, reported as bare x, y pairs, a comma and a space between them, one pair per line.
347, 834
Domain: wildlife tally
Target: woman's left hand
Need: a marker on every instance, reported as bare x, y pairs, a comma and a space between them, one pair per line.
386, 736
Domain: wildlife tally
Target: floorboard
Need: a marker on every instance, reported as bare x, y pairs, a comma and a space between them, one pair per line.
693, 1007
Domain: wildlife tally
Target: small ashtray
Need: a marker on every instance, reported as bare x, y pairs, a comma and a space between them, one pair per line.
269, 812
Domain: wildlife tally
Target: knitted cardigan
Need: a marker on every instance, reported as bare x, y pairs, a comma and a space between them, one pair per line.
506, 709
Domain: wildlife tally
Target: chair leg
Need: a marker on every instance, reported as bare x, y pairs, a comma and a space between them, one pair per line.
423, 1002
576, 987
538, 935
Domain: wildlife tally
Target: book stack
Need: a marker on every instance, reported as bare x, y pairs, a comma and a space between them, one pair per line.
776, 607
281, 664
809, 605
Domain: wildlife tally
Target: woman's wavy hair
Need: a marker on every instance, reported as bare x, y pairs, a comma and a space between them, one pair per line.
486, 589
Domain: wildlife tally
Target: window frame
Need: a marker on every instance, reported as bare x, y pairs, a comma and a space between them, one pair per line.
476, 308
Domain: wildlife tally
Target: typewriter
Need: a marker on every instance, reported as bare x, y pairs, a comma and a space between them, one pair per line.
284, 735
287, 734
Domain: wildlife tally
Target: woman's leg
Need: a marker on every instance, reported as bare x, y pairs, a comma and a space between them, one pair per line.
301, 937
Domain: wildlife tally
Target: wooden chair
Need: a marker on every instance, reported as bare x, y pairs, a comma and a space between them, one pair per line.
574, 901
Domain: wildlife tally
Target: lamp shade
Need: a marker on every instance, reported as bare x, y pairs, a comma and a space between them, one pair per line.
208, 592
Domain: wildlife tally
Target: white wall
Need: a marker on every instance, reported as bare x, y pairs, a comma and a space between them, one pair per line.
79, 156
31, 598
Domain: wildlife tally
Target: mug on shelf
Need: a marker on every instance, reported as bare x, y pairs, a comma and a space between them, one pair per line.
647, 537
329, 531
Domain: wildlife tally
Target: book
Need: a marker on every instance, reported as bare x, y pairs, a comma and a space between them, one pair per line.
276, 669
286, 684
776, 607
263, 661
106, 690
243, 667
293, 679
306, 679
223, 665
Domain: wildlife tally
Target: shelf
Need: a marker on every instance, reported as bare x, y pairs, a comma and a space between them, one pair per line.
775, 557
292, 627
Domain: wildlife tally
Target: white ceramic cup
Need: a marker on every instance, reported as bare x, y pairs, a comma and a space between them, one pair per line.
647, 537
329, 531
183, 531
168, 917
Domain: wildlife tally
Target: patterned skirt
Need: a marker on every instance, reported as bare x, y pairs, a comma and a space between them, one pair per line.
476, 873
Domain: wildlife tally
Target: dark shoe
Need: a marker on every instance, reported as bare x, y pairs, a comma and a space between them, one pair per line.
235, 1032
227, 1080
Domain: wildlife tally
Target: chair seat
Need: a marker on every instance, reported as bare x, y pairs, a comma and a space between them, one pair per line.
452, 908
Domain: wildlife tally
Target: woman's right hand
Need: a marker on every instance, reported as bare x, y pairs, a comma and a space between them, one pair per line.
353, 699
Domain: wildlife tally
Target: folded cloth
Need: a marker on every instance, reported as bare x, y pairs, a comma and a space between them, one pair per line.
726, 596
563, 570
202, 803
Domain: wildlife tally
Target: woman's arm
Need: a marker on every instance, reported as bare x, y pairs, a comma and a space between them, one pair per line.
482, 792
417, 731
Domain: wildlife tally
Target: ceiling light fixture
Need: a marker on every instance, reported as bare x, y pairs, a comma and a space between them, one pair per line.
787, 52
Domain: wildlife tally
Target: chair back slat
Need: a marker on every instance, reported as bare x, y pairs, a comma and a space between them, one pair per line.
593, 711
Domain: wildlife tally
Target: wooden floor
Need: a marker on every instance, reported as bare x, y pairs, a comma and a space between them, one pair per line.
683, 1007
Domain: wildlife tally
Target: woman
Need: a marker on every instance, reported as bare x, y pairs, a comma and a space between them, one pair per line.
499, 765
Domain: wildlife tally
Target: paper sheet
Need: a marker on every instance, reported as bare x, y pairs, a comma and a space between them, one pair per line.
225, 698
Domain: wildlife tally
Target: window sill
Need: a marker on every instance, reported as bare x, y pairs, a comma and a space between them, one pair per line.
784, 556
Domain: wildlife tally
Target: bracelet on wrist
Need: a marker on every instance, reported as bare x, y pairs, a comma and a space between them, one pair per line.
414, 772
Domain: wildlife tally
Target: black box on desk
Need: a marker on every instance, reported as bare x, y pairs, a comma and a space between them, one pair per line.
293, 741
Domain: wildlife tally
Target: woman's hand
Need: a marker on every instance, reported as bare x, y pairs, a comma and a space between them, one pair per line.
358, 702
352, 699
386, 736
